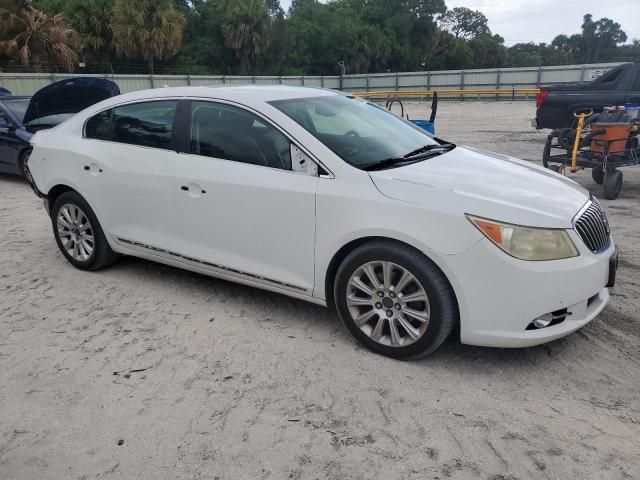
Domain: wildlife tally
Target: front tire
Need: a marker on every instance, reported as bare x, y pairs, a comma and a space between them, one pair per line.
394, 300
79, 234
24, 158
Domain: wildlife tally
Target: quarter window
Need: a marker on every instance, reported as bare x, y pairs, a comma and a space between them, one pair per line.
148, 124
230, 133
98, 126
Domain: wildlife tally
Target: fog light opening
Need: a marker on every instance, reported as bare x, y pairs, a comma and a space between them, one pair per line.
549, 319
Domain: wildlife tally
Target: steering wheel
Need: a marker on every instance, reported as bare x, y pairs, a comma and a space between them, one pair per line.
349, 150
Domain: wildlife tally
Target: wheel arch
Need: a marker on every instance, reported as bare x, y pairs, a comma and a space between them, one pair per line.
57, 190
345, 250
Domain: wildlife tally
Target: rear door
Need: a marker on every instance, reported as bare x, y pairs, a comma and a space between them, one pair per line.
243, 212
130, 152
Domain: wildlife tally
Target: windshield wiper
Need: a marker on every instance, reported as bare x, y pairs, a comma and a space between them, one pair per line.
427, 148
414, 156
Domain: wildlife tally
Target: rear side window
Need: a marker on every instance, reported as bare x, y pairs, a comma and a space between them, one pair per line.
609, 79
148, 124
98, 126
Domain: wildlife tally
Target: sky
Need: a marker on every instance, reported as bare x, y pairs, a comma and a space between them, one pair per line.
541, 20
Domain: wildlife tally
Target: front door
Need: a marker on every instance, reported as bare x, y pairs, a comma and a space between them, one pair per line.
242, 209
10, 144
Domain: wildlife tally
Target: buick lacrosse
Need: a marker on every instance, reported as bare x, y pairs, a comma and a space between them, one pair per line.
328, 198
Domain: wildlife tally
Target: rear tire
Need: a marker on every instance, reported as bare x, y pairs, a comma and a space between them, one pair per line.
78, 233
598, 175
612, 184
395, 300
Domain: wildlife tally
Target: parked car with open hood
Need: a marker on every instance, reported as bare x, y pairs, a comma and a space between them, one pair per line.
328, 198
21, 116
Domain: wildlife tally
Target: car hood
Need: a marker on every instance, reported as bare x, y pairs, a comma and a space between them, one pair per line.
486, 184
71, 95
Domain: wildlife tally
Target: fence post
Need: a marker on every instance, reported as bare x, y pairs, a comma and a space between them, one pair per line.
461, 84
397, 82
152, 81
280, 79
340, 82
513, 93
539, 79
322, 81
497, 84
224, 79
189, 80
582, 73
302, 80
368, 83
254, 78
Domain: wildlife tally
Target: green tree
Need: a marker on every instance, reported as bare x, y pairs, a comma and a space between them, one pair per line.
601, 36
91, 19
30, 37
247, 31
465, 23
151, 30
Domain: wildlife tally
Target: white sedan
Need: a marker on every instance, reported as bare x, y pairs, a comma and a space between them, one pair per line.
325, 197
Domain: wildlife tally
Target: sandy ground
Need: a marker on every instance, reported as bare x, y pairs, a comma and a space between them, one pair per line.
202, 379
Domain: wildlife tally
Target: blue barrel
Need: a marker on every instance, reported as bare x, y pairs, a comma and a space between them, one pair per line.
425, 125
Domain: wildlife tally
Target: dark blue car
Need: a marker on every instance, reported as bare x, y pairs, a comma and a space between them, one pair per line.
21, 117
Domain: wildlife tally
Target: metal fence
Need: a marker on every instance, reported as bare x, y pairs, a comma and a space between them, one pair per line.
507, 79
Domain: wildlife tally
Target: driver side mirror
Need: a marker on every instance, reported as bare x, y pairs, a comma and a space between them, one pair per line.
301, 163
4, 123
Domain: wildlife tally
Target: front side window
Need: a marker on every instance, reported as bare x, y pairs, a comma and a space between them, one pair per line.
4, 118
359, 132
148, 124
223, 131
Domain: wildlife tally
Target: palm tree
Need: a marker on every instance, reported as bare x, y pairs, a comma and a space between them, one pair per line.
247, 31
32, 38
151, 29
91, 20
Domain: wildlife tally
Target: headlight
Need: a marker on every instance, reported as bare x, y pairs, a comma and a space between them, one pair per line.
527, 243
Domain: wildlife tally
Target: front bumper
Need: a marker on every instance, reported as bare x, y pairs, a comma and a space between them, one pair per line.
499, 296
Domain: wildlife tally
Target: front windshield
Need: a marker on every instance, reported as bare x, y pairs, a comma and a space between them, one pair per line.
17, 106
359, 132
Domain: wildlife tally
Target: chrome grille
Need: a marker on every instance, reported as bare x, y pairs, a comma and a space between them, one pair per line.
593, 227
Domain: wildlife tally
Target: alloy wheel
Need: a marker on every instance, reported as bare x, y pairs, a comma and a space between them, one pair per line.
388, 303
75, 232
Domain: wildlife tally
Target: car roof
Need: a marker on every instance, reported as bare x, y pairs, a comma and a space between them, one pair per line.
250, 93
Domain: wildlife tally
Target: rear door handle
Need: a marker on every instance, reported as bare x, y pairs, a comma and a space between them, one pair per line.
193, 189
93, 169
